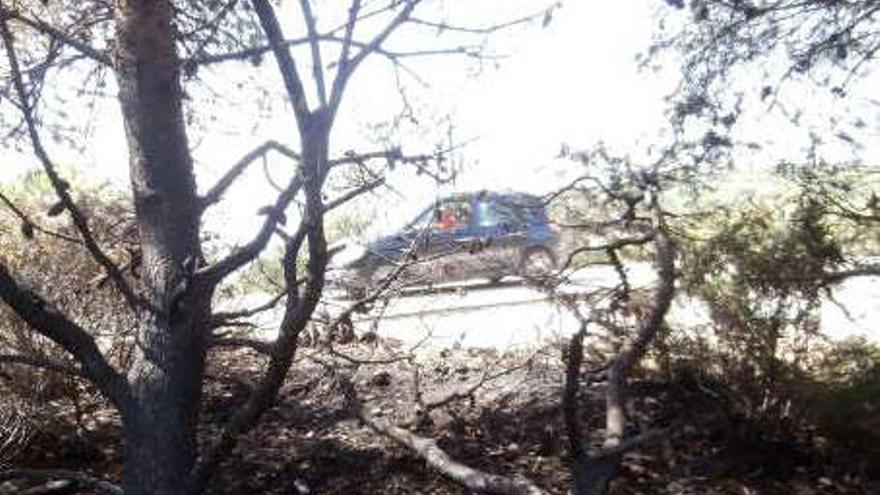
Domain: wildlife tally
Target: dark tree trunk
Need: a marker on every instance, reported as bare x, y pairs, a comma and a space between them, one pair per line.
161, 415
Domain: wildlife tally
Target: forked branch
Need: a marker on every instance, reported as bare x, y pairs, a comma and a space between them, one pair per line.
216, 192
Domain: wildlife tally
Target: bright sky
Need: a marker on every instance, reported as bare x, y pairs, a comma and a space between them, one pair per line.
573, 82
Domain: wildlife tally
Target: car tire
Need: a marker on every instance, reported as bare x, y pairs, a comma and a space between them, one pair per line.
495, 280
537, 264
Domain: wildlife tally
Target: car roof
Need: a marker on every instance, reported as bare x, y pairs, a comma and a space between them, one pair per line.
530, 199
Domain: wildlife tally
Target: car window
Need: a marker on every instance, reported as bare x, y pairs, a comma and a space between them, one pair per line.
532, 212
487, 215
494, 212
452, 214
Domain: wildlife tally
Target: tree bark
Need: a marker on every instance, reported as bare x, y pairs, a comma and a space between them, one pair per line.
160, 417
593, 473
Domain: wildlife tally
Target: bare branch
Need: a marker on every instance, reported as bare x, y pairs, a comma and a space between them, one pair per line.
442, 26
315, 46
216, 193
632, 351
42, 363
394, 156
29, 224
212, 25
342, 64
607, 247
60, 186
393, 56
369, 186
642, 439
344, 73
286, 65
361, 15
260, 346
861, 271
221, 317
297, 314
49, 322
57, 35
82, 480
487, 377
435, 457
243, 255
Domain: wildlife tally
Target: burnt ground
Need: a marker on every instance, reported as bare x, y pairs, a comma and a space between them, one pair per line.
311, 443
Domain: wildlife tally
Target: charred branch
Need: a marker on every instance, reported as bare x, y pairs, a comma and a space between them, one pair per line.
427, 449
81, 480
57, 327
42, 363
216, 192
59, 36
275, 215
29, 226
60, 186
286, 65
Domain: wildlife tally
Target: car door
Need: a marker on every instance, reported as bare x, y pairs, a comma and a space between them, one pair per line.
415, 246
446, 244
501, 232
430, 242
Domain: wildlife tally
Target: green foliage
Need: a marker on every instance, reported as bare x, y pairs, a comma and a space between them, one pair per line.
849, 195
767, 250
761, 267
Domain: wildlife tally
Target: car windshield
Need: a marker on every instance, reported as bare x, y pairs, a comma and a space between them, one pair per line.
421, 222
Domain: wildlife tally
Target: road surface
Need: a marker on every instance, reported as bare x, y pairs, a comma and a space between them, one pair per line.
511, 314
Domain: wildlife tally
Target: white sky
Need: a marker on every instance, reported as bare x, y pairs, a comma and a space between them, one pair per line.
573, 82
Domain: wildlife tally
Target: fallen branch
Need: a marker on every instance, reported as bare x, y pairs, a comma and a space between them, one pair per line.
435, 457
260, 346
222, 318
92, 483
42, 363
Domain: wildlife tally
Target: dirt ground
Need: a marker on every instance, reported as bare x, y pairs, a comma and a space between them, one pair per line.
311, 442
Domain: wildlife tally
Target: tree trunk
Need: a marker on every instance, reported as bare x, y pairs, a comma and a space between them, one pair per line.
160, 418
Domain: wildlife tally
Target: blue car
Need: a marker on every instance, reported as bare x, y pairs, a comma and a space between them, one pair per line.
463, 236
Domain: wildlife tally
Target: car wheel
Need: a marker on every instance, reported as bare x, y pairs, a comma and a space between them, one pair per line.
537, 264
495, 279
